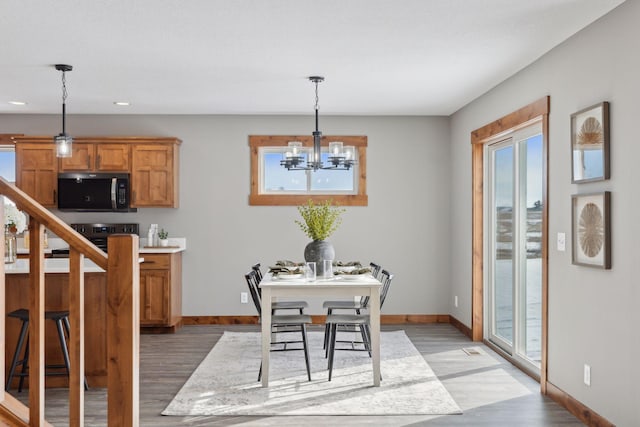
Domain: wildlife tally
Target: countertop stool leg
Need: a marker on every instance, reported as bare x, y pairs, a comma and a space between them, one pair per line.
63, 345
62, 325
67, 327
24, 330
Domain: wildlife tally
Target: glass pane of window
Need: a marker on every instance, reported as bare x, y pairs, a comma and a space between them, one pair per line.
278, 179
332, 180
8, 165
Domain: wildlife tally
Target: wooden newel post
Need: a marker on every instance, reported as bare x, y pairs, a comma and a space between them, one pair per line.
123, 330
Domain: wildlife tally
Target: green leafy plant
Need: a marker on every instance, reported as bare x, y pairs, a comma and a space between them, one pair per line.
162, 235
320, 220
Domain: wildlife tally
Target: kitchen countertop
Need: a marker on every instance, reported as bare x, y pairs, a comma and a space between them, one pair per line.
61, 265
176, 244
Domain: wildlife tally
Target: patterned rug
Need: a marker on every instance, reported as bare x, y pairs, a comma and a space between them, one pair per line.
226, 383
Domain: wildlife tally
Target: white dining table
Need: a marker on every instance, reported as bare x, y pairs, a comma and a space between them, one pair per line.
335, 287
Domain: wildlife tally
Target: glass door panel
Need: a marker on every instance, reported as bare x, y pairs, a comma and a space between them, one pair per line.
514, 224
503, 244
532, 293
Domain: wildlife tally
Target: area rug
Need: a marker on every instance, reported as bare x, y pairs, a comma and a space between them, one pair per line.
226, 382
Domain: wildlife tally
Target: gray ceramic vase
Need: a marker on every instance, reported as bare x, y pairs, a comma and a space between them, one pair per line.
317, 251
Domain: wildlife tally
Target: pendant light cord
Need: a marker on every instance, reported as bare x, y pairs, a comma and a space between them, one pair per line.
64, 98
316, 106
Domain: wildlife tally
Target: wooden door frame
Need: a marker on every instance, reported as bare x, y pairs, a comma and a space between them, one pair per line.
537, 111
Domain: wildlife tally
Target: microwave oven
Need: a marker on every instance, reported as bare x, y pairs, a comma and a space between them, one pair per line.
94, 192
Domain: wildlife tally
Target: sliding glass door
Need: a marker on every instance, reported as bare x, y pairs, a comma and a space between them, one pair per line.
513, 203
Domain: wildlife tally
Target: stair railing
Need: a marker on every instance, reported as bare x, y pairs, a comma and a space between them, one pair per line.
123, 319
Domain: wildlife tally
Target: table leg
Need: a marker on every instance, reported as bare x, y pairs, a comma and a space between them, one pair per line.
266, 334
374, 304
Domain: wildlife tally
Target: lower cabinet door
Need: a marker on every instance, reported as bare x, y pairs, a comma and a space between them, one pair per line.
155, 298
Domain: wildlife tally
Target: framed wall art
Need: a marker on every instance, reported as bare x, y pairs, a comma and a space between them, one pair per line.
590, 144
591, 229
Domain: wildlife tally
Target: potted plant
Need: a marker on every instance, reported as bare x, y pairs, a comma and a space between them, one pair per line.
319, 222
163, 237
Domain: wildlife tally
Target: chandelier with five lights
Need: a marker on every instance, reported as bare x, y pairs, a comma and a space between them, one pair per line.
339, 156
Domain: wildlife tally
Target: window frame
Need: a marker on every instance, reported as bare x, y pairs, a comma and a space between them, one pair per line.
7, 143
257, 198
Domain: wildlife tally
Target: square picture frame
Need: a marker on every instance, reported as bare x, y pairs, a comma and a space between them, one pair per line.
590, 144
591, 230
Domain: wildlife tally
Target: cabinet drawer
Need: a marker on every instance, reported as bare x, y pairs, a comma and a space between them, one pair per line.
155, 261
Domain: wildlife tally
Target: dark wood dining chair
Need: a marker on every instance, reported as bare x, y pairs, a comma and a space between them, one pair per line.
359, 321
281, 323
279, 305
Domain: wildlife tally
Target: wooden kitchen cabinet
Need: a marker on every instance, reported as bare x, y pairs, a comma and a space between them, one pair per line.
161, 292
152, 163
97, 157
154, 175
37, 171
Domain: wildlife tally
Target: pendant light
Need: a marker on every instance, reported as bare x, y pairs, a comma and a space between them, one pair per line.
339, 158
63, 141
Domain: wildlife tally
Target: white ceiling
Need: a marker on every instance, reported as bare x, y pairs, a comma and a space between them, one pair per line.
379, 57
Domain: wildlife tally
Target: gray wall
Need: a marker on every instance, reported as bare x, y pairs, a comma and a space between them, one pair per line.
593, 314
405, 227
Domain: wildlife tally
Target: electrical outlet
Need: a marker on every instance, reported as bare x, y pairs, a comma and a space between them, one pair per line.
587, 375
455, 300
244, 297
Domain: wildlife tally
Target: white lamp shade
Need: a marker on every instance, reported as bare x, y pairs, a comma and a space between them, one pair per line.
350, 152
64, 143
335, 149
296, 148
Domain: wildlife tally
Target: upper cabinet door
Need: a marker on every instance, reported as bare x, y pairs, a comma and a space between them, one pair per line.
97, 157
112, 157
82, 158
37, 172
154, 175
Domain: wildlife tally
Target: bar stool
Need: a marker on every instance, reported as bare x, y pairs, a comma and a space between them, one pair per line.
61, 318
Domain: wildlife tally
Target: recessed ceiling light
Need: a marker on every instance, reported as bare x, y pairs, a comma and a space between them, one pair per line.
122, 103
17, 103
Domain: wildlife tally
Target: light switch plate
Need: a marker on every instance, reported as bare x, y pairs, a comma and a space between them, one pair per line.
561, 242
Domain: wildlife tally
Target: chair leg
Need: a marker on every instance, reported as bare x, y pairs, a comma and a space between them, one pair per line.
365, 338
25, 366
332, 347
306, 350
16, 355
260, 372
325, 345
67, 327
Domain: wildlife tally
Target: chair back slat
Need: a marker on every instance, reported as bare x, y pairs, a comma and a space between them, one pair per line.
386, 283
252, 282
256, 268
375, 269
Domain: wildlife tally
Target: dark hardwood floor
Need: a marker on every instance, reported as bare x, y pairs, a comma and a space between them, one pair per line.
490, 391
